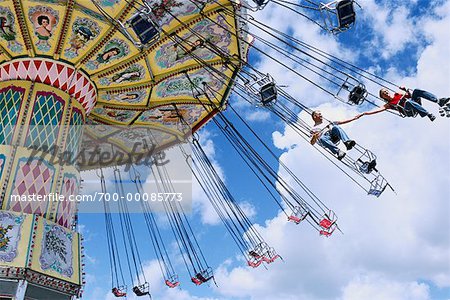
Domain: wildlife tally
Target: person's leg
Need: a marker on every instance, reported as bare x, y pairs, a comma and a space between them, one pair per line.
424, 95
412, 106
325, 141
338, 132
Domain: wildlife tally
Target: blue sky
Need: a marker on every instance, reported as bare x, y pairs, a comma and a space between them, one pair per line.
393, 247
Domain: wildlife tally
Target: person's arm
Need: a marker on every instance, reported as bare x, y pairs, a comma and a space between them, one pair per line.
375, 111
407, 91
314, 138
348, 121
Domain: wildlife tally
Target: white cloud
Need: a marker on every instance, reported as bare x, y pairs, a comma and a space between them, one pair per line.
373, 287
258, 115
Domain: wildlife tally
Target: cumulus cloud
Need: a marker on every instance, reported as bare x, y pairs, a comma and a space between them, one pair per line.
373, 287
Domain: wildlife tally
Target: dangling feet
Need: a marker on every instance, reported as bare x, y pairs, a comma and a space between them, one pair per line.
443, 101
341, 154
444, 109
431, 117
350, 144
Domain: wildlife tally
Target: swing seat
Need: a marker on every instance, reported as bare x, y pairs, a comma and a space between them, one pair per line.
357, 95
172, 284
254, 254
298, 214
262, 253
270, 260
326, 233
346, 13
144, 29
328, 220
377, 186
119, 292
294, 219
196, 281
261, 3
141, 290
368, 167
202, 277
268, 94
326, 223
255, 263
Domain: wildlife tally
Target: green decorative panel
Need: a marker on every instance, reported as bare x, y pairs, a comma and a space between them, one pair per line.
11, 98
75, 131
46, 120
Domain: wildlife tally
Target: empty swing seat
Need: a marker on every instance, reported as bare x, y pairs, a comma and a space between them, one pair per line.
346, 13
202, 277
141, 290
119, 292
357, 95
326, 233
254, 254
254, 263
144, 29
328, 224
262, 253
260, 2
172, 283
298, 215
268, 93
294, 219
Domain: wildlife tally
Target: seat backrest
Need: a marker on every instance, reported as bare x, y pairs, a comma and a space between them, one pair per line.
145, 30
346, 13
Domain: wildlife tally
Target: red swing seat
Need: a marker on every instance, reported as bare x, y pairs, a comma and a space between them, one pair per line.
172, 282
202, 277
328, 224
298, 214
119, 292
261, 253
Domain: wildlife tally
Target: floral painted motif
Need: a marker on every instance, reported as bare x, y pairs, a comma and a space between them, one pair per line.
10, 227
113, 50
8, 31
182, 86
57, 250
84, 30
164, 10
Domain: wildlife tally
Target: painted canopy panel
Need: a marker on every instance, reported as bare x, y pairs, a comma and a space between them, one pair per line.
135, 84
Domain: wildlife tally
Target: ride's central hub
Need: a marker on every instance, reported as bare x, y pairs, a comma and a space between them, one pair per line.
44, 104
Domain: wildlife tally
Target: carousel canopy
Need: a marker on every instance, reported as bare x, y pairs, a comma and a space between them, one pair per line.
151, 64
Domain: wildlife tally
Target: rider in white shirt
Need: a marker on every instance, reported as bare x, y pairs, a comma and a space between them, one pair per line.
328, 134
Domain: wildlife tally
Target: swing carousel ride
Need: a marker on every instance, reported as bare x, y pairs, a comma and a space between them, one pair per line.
75, 73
